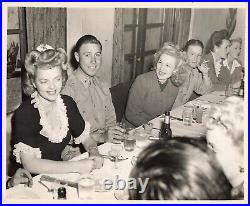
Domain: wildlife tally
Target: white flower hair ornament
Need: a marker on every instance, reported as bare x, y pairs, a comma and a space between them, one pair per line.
43, 47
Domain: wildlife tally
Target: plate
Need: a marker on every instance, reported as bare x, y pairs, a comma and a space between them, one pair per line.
21, 192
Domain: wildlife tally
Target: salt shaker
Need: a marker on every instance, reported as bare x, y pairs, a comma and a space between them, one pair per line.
61, 193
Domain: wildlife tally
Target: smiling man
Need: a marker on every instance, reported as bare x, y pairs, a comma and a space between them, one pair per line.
91, 95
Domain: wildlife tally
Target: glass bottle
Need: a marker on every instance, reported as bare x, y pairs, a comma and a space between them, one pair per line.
166, 132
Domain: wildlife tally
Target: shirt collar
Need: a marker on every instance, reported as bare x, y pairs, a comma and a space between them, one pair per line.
235, 64
217, 64
84, 78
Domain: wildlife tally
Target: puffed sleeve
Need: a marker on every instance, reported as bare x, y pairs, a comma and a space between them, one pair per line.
79, 129
24, 134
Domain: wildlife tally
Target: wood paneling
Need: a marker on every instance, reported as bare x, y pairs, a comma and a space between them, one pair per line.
46, 26
118, 50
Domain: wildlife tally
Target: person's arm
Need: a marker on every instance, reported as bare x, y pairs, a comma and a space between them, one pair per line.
203, 83
134, 111
81, 133
21, 176
43, 166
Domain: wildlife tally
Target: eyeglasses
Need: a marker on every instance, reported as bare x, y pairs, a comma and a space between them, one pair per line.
218, 122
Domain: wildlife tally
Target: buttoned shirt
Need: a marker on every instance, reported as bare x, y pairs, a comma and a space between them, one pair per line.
93, 99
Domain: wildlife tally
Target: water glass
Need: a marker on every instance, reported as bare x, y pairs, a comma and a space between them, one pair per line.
129, 142
141, 137
205, 118
187, 116
86, 187
148, 128
115, 152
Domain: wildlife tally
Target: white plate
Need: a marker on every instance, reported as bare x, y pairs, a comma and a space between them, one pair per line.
21, 192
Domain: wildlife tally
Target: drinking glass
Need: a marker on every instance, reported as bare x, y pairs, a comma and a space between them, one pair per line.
86, 187
115, 152
129, 141
141, 137
187, 116
148, 128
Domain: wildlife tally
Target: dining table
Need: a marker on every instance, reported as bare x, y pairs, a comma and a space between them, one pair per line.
42, 190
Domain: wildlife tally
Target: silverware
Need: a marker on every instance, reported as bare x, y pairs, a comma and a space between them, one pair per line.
176, 118
49, 190
112, 159
62, 182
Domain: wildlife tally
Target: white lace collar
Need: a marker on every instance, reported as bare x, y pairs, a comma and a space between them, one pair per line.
54, 136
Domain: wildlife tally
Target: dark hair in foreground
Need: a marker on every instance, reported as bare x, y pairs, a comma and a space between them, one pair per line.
179, 169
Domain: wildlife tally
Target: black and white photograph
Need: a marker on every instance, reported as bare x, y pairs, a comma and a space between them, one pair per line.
125, 102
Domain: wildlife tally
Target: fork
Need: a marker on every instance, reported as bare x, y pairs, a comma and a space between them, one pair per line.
112, 159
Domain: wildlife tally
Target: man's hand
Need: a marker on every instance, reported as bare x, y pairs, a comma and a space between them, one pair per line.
21, 176
115, 134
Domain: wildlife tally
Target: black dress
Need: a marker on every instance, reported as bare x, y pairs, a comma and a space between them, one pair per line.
27, 128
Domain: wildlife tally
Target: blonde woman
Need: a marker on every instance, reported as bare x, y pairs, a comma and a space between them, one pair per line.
155, 92
232, 70
44, 123
225, 134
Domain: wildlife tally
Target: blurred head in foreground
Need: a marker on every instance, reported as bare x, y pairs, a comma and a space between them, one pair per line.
179, 169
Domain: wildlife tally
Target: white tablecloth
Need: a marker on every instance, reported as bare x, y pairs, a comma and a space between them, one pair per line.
38, 191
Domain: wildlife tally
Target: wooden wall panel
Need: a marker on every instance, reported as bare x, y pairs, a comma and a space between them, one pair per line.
47, 26
118, 50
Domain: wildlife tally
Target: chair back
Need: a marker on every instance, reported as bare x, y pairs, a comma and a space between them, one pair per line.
119, 95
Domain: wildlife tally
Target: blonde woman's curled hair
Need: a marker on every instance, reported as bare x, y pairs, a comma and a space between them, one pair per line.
179, 75
239, 40
46, 59
231, 114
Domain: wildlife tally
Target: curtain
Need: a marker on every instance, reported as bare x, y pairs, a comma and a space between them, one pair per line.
118, 50
46, 26
177, 25
231, 21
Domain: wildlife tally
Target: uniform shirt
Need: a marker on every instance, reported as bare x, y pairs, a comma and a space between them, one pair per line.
93, 99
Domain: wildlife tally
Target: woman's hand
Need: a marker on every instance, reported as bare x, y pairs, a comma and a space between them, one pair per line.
115, 134
21, 176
